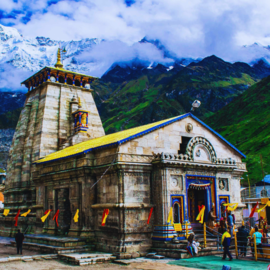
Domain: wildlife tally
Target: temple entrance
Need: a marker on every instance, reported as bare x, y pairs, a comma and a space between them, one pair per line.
177, 205
62, 203
197, 198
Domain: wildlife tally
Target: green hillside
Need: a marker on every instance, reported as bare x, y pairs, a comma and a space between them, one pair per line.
245, 122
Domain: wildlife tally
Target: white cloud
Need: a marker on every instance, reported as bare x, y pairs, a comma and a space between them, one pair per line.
194, 28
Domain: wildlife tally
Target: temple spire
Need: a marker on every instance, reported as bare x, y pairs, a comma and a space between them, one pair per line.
58, 63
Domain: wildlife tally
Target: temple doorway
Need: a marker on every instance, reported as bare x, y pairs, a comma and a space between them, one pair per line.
197, 197
62, 203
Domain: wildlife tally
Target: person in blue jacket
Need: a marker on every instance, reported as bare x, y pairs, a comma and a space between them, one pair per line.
230, 222
226, 241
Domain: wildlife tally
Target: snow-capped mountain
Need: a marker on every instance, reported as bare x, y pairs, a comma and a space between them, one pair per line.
33, 54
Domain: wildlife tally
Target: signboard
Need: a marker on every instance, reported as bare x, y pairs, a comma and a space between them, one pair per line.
178, 227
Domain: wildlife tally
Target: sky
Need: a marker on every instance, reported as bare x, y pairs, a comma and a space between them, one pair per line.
193, 27
187, 28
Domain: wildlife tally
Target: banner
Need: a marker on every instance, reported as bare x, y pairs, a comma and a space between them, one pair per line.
253, 210
26, 213
47, 212
104, 216
170, 217
200, 216
76, 217
229, 208
56, 217
177, 227
6, 212
150, 214
16, 218
268, 204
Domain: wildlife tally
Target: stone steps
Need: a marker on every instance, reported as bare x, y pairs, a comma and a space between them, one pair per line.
29, 258
43, 248
86, 259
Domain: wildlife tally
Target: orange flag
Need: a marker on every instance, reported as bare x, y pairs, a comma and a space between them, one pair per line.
150, 214
253, 210
56, 217
16, 218
104, 216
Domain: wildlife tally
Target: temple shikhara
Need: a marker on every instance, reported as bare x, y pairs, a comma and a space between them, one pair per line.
61, 159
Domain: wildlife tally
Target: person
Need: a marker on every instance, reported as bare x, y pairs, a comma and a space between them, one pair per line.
258, 241
226, 241
192, 243
242, 239
211, 218
223, 225
230, 222
19, 237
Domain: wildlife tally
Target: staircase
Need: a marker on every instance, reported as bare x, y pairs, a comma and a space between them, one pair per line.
44, 243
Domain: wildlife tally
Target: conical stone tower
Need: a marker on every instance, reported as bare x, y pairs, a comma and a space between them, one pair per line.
50, 120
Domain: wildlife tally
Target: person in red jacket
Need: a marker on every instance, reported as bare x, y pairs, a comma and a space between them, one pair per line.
19, 237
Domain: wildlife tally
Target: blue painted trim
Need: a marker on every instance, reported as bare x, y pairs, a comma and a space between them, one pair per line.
147, 131
179, 195
225, 195
232, 146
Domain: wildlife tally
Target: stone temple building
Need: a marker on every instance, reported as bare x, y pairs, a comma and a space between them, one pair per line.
61, 159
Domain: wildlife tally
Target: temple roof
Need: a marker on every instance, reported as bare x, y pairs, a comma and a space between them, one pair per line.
120, 138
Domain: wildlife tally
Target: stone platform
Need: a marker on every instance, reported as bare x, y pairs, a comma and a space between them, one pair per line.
87, 258
55, 244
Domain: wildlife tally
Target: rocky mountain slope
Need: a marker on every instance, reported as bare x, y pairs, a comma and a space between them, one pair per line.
245, 122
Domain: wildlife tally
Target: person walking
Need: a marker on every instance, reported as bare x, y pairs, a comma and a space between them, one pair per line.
258, 241
226, 241
211, 218
242, 240
230, 222
19, 237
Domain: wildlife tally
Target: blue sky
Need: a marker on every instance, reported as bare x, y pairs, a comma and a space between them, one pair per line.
188, 27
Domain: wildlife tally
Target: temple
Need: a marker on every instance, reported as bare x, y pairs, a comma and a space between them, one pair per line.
61, 159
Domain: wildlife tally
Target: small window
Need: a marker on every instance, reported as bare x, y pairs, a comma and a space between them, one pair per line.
77, 83
264, 193
61, 79
183, 145
69, 81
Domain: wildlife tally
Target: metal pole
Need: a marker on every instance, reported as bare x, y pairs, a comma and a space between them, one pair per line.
255, 248
204, 234
262, 171
186, 230
235, 244
248, 185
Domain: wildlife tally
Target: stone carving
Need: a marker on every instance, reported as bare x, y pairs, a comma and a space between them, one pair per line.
205, 146
223, 184
189, 127
177, 181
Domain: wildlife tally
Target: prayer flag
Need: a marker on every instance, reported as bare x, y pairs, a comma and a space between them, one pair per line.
104, 216
6, 211
170, 217
16, 218
201, 214
150, 214
76, 217
253, 210
56, 217
268, 204
47, 212
234, 206
26, 213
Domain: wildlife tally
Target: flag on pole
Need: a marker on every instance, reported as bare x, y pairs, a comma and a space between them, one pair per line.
170, 217
268, 204
253, 210
76, 217
47, 212
231, 206
16, 218
56, 217
200, 216
104, 216
6, 211
26, 213
150, 214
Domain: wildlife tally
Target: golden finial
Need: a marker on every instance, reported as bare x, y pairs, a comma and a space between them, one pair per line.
79, 102
58, 63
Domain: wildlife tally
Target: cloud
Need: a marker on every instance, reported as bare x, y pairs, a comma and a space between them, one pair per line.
194, 28
10, 78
